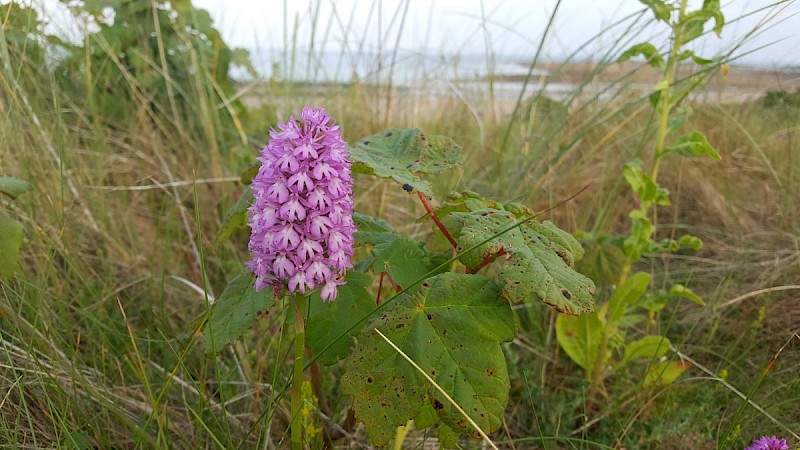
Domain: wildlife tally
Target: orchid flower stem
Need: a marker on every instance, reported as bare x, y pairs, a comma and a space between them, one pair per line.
297, 379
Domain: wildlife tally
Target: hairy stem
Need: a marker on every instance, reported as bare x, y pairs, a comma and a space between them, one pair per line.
297, 378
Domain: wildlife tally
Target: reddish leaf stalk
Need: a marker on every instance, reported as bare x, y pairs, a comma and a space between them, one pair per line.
487, 259
436, 220
380, 286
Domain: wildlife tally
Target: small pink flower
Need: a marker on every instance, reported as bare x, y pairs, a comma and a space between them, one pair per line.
768, 443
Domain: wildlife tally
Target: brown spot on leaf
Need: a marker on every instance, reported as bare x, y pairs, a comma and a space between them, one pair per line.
567, 295
437, 404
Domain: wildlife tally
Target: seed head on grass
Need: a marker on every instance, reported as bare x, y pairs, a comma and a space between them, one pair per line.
768, 443
302, 219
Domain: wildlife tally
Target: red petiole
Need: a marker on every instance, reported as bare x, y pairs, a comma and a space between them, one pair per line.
436, 220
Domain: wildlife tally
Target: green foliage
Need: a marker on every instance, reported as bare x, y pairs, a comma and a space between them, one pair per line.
648, 347
626, 295
692, 144
10, 243
661, 9
405, 259
647, 191
236, 217
603, 259
10, 229
779, 97
664, 373
590, 341
371, 230
13, 187
154, 53
578, 337
235, 311
537, 258
401, 154
329, 323
452, 329
647, 50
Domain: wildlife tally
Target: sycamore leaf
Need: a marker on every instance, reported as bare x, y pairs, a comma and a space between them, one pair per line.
538, 262
330, 321
235, 311
452, 328
400, 154
405, 259
371, 230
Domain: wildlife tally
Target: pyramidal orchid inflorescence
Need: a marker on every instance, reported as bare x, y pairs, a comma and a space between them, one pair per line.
302, 219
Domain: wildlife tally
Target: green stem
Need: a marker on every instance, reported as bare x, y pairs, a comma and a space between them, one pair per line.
663, 109
297, 379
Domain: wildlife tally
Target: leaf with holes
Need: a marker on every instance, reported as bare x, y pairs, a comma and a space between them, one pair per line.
399, 154
538, 258
329, 322
235, 311
236, 217
452, 328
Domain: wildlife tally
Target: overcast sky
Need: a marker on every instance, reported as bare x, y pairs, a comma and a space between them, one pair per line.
512, 29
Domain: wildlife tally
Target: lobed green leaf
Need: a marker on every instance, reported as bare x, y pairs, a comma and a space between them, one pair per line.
451, 328
399, 154
332, 320
538, 262
405, 259
235, 311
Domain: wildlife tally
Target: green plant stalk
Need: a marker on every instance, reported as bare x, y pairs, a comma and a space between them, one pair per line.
663, 109
297, 378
